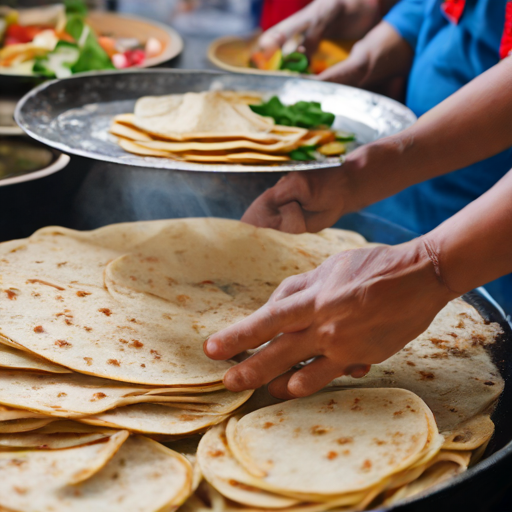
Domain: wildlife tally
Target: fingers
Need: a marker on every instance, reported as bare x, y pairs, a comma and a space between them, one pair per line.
288, 315
276, 358
277, 208
313, 377
358, 371
275, 37
278, 388
292, 218
289, 286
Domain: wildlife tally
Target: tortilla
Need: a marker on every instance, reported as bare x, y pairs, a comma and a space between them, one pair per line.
103, 453
137, 149
16, 359
143, 476
186, 147
51, 441
126, 132
223, 472
247, 157
469, 435
456, 339
23, 425
187, 447
344, 435
446, 466
77, 395
8, 414
196, 113
59, 308
154, 419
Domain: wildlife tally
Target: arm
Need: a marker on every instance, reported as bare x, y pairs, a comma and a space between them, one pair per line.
335, 19
471, 125
361, 306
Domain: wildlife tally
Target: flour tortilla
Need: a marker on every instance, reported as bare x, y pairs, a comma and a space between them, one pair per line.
278, 133
127, 132
219, 402
470, 435
9, 413
456, 339
55, 281
23, 425
155, 420
352, 440
197, 113
19, 360
242, 158
431, 478
76, 395
223, 472
57, 435
143, 476
186, 147
137, 149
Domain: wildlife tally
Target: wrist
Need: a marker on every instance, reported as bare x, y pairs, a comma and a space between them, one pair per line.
421, 263
376, 171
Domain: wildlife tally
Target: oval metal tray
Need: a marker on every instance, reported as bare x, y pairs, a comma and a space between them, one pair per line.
73, 115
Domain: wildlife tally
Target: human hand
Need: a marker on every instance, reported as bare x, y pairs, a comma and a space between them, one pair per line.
330, 19
356, 309
301, 201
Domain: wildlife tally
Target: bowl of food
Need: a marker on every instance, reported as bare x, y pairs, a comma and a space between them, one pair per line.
23, 159
241, 55
60, 40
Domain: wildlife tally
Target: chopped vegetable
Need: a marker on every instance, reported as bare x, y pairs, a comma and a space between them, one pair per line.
265, 62
303, 113
296, 61
345, 136
59, 62
332, 149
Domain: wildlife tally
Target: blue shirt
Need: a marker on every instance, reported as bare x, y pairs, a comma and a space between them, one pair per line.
447, 56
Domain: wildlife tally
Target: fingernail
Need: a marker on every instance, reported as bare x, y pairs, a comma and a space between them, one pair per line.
205, 345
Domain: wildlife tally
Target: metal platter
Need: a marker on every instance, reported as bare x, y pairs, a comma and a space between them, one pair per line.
73, 115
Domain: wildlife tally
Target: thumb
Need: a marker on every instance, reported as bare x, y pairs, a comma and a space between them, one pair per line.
292, 218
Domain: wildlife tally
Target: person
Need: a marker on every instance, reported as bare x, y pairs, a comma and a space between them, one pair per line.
361, 306
437, 47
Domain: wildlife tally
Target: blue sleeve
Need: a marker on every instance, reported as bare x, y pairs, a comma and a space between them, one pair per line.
406, 17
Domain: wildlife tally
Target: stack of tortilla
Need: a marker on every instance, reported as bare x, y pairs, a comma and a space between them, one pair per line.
101, 337
209, 127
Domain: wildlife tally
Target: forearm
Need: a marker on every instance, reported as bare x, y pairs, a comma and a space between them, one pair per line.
473, 124
474, 246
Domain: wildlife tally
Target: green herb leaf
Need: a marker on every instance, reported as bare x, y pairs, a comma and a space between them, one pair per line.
295, 61
92, 56
303, 114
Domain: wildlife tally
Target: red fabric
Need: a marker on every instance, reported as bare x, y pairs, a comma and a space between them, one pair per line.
506, 39
453, 9
275, 11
